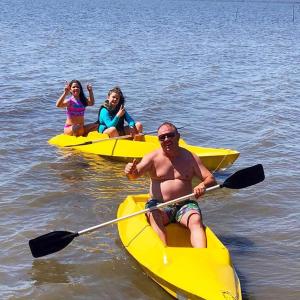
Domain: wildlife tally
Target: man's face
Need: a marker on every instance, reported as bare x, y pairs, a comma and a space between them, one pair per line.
168, 138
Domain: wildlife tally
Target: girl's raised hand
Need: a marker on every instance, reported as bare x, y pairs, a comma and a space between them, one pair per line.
89, 87
67, 87
121, 111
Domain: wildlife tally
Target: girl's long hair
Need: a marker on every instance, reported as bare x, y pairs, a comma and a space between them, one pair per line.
118, 91
82, 96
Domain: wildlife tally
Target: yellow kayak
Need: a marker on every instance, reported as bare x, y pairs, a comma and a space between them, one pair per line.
122, 149
183, 271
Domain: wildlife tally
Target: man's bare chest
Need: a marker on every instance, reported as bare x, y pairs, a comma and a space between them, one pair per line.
168, 170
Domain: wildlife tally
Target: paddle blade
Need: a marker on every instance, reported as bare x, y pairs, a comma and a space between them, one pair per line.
82, 144
51, 242
245, 177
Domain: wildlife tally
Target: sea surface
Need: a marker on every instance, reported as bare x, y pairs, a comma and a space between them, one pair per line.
228, 71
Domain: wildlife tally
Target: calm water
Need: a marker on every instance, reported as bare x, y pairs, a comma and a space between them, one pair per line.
229, 70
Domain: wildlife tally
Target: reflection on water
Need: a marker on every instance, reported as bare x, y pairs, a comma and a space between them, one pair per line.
50, 271
239, 243
132, 281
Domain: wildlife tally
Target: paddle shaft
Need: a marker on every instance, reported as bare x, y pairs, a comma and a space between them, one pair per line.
56, 240
102, 140
113, 138
240, 179
93, 228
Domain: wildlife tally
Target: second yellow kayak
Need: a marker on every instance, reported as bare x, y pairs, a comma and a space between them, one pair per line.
127, 149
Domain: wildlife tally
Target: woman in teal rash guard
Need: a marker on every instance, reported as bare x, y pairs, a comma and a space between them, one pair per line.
112, 116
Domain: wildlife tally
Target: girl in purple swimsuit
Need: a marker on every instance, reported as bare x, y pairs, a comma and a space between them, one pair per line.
75, 107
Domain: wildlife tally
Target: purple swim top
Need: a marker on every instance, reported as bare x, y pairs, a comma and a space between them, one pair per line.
75, 108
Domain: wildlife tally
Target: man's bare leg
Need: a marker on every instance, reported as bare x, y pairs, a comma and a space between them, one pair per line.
156, 221
193, 221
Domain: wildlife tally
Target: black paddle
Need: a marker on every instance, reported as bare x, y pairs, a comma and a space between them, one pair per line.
58, 240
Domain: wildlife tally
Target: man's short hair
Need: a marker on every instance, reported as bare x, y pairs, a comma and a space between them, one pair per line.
168, 124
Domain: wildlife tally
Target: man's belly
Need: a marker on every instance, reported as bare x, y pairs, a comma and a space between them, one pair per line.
170, 189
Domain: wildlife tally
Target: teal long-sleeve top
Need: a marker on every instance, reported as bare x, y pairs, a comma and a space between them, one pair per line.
107, 120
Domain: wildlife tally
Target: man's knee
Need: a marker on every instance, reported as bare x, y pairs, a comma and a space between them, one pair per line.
153, 214
194, 219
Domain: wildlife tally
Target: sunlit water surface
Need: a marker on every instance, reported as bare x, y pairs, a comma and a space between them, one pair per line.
227, 71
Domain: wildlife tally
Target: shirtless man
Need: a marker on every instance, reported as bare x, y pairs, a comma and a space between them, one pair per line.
171, 169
